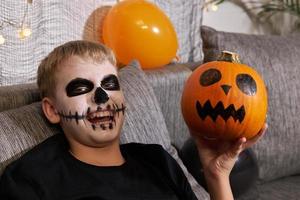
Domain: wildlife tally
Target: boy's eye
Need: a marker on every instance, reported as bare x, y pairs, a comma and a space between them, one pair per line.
79, 86
81, 89
110, 82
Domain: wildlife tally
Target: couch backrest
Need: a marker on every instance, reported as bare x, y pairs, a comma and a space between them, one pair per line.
15, 96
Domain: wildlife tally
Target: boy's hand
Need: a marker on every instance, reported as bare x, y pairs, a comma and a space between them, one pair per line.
218, 157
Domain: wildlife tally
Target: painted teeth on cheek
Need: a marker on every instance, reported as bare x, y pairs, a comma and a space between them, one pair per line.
104, 118
117, 109
123, 109
102, 126
70, 116
76, 117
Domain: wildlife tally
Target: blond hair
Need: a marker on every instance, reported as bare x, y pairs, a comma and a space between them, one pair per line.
49, 65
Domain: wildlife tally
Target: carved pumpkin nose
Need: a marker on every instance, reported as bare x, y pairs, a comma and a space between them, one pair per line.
100, 96
226, 88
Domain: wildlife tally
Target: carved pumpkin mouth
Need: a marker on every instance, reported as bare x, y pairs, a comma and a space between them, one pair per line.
219, 110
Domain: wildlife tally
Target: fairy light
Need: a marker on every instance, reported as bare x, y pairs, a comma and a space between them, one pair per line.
23, 29
24, 32
2, 39
211, 5
214, 7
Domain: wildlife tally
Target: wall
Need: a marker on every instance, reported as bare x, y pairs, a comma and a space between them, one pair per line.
232, 18
229, 17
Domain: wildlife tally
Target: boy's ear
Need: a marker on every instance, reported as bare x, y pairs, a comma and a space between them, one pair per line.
50, 110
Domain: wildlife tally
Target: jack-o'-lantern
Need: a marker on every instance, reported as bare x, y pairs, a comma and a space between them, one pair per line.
224, 99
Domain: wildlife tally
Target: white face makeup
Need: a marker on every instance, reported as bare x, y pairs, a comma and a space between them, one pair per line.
89, 101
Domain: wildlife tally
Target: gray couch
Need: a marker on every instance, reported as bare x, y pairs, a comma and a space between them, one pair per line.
154, 116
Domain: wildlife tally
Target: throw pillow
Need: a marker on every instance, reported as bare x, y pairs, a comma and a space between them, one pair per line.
167, 83
186, 17
277, 59
58, 21
15, 96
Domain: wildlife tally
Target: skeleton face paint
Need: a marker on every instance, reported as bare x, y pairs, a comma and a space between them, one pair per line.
100, 96
89, 100
79, 86
110, 82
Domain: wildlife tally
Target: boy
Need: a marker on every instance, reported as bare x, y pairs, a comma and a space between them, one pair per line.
80, 90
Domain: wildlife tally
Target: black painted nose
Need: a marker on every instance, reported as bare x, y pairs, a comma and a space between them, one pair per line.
100, 96
226, 88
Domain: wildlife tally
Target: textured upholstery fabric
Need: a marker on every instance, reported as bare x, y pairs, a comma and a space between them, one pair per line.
144, 121
57, 21
24, 127
280, 189
186, 17
167, 84
285, 188
21, 129
15, 96
277, 60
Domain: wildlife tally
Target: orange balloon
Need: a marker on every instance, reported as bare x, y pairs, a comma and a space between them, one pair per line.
137, 29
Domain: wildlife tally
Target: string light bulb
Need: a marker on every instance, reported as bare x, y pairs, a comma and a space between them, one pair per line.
214, 7
24, 32
2, 39
23, 28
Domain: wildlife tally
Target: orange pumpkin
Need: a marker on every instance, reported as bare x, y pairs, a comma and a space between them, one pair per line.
224, 99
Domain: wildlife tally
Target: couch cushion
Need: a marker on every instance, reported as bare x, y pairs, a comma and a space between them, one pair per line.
21, 129
284, 188
186, 17
15, 96
24, 127
280, 189
144, 121
167, 84
277, 60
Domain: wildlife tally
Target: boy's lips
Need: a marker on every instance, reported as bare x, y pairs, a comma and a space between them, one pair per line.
102, 116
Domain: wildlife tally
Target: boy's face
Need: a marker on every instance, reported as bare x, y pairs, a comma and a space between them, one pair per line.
89, 101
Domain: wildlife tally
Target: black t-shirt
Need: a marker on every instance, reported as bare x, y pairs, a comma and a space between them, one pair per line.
50, 172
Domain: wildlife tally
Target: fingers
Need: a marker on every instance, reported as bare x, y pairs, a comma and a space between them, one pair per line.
260, 134
237, 148
219, 147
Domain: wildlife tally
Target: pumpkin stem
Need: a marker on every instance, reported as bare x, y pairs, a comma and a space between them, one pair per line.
228, 56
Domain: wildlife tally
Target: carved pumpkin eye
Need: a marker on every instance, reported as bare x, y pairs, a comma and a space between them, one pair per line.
246, 84
210, 77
